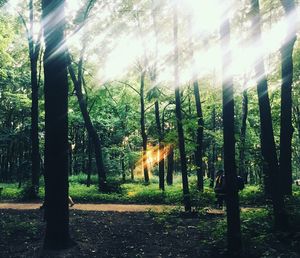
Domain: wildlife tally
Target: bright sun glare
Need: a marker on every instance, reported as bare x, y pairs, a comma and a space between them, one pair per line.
117, 47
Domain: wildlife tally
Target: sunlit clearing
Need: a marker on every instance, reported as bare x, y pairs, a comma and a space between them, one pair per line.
151, 159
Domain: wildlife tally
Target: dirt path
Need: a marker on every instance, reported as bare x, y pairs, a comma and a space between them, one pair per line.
94, 207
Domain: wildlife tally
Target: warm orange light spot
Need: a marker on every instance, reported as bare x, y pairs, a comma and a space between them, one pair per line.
150, 159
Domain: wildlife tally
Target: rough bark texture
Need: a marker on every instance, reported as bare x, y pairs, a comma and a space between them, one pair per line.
56, 127
232, 199
267, 136
286, 128
185, 184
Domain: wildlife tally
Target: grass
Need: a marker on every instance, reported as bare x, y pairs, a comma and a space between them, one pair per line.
138, 192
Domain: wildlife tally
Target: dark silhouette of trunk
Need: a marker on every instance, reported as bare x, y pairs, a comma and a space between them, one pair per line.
77, 82
199, 141
143, 129
89, 167
56, 127
242, 165
267, 136
213, 151
170, 165
161, 164
34, 51
181, 144
286, 128
200, 123
92, 133
232, 198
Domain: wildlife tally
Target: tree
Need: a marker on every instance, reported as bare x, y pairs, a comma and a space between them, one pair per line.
232, 198
34, 52
143, 127
242, 166
34, 47
268, 147
77, 82
155, 90
93, 135
56, 127
200, 125
181, 144
286, 128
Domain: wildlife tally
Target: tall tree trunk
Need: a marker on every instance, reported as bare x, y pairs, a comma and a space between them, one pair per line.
200, 123
56, 127
185, 183
34, 49
143, 128
267, 136
242, 166
232, 198
213, 152
161, 163
153, 76
170, 165
286, 128
102, 184
199, 141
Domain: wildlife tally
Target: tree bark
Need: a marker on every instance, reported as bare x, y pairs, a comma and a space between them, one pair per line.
267, 135
56, 127
170, 165
286, 127
232, 198
161, 163
199, 141
181, 143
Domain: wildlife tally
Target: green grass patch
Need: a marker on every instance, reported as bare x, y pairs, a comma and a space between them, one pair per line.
10, 192
252, 195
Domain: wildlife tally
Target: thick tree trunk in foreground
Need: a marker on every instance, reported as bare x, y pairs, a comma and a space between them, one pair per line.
181, 144
267, 135
286, 128
232, 198
56, 128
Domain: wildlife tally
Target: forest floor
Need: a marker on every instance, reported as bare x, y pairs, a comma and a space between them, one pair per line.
120, 233
150, 231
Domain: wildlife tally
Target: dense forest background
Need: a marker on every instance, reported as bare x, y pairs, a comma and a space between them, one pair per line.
234, 69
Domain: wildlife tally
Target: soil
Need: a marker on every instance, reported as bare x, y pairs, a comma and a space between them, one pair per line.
108, 234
